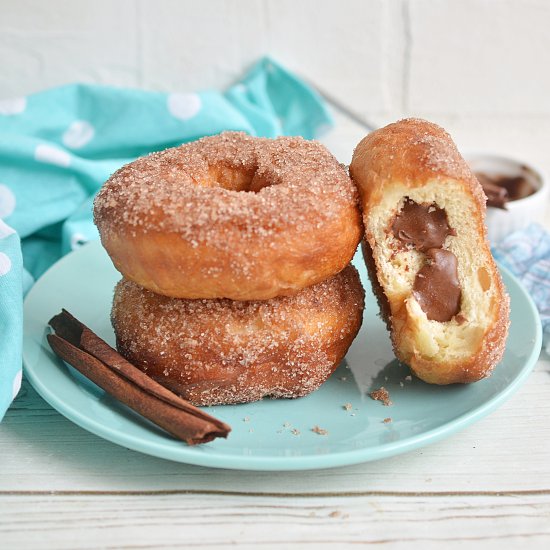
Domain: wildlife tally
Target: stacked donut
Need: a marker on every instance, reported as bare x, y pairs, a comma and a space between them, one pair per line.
235, 257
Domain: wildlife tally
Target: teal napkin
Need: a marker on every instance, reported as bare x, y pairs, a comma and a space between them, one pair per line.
57, 147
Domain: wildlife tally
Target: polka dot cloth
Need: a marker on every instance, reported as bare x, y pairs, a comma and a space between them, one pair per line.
7, 201
14, 106
184, 106
5, 264
11, 313
78, 134
52, 155
65, 142
5, 230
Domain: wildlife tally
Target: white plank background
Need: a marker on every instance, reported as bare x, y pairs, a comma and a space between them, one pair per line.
168, 521
466, 58
477, 67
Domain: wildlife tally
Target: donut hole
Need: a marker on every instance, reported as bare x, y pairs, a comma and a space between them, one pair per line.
237, 178
484, 279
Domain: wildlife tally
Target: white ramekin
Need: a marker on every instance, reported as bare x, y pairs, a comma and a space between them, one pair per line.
519, 213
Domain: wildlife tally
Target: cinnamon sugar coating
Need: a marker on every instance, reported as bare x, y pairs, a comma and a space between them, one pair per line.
223, 351
413, 151
230, 216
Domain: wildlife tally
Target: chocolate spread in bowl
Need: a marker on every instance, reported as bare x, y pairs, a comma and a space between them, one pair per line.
436, 287
501, 189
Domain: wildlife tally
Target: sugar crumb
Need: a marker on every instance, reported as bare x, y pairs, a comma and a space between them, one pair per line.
319, 431
382, 395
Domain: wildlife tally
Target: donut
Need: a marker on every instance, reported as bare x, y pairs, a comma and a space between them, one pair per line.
230, 216
427, 253
221, 351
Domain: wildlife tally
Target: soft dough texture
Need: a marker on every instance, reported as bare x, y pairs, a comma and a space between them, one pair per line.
222, 351
414, 160
230, 216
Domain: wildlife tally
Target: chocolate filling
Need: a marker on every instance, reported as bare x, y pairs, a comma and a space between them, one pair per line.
423, 226
436, 287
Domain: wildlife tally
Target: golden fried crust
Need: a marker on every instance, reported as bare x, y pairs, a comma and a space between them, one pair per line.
410, 154
410, 151
222, 351
230, 216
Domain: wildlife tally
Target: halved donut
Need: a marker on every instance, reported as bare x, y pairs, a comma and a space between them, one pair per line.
427, 252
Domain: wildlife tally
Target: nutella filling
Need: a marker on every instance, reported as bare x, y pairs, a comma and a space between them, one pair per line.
436, 287
423, 226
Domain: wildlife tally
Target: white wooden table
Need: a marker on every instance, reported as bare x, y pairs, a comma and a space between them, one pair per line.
488, 486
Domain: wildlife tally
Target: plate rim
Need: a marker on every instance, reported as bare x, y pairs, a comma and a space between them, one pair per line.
193, 455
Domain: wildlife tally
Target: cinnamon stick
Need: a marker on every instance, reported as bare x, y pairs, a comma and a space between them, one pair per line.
76, 344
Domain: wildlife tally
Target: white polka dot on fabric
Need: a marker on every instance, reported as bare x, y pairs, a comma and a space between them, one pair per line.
5, 264
17, 384
78, 134
5, 230
77, 240
7, 201
240, 88
52, 155
13, 106
184, 106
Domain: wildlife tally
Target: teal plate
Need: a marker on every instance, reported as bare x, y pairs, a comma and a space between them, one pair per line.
274, 434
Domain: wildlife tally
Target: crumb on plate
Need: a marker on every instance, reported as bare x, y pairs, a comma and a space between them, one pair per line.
319, 431
382, 395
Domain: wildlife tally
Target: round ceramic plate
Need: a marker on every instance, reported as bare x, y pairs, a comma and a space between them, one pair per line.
274, 434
